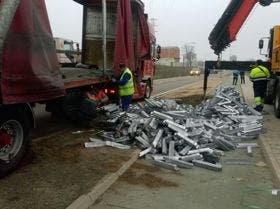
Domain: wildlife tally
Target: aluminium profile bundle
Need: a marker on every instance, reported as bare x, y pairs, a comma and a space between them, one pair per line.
170, 133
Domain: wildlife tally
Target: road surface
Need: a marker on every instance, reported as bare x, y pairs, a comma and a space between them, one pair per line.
162, 85
236, 187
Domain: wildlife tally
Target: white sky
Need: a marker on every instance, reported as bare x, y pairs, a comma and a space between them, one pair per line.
179, 22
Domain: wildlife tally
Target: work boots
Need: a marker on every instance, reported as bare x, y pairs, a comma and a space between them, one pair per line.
259, 108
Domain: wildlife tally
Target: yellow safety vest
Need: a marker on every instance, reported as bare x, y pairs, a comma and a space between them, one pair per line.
259, 73
128, 88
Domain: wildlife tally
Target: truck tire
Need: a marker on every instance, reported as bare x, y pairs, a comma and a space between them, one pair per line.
277, 104
14, 129
148, 90
268, 98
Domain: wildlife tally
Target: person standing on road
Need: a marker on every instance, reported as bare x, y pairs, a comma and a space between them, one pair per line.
125, 85
235, 74
259, 75
242, 76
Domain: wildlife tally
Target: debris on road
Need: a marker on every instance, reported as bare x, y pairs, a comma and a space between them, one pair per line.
81, 132
237, 162
260, 164
180, 136
99, 143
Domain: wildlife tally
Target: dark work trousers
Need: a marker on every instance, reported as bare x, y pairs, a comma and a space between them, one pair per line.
235, 79
126, 101
260, 88
242, 77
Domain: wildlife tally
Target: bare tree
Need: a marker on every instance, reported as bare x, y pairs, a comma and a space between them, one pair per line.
200, 64
233, 58
189, 56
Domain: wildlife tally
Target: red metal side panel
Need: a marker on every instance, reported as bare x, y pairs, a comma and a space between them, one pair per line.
240, 17
30, 69
148, 69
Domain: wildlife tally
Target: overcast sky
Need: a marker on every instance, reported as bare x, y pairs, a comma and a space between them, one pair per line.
179, 22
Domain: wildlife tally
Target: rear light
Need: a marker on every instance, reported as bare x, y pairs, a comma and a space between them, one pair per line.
110, 91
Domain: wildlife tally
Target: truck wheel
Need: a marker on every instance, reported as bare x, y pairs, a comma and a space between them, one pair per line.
268, 98
277, 105
14, 128
148, 90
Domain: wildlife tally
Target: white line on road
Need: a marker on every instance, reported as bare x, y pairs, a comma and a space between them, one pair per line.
176, 89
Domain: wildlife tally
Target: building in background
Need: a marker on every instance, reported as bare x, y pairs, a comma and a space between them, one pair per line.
170, 56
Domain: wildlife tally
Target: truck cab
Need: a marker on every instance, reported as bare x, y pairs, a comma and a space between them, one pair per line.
273, 57
68, 52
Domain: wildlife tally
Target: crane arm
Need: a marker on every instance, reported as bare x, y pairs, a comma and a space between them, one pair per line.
231, 21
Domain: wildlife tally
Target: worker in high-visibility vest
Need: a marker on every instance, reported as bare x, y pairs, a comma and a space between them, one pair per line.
89, 104
125, 86
259, 75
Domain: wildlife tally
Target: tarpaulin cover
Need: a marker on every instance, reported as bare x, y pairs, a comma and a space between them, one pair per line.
230, 23
124, 37
143, 36
29, 68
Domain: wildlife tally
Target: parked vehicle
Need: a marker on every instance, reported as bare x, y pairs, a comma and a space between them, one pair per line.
273, 56
68, 52
30, 71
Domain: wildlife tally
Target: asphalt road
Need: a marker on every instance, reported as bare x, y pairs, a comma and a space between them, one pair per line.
236, 187
45, 125
162, 85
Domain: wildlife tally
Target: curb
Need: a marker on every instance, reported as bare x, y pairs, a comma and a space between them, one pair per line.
274, 166
269, 157
87, 200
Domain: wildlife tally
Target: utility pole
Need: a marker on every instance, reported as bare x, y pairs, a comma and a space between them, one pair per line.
104, 15
153, 22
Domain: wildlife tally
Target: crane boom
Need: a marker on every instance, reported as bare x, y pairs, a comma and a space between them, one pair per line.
230, 23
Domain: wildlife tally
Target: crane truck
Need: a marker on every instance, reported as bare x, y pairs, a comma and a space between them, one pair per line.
225, 32
114, 31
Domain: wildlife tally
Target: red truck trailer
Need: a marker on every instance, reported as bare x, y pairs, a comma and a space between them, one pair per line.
30, 72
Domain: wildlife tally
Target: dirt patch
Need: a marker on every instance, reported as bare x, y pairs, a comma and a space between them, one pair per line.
57, 171
146, 179
141, 174
144, 167
192, 100
193, 93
